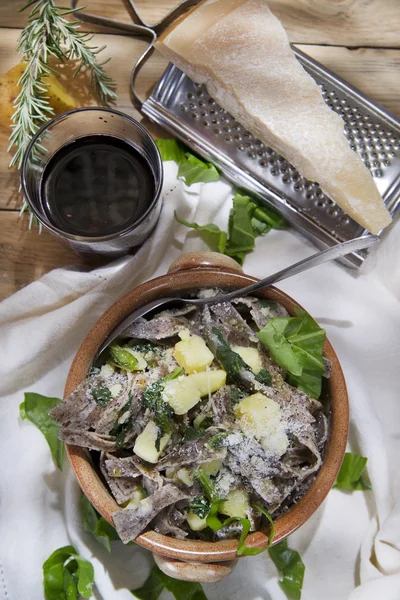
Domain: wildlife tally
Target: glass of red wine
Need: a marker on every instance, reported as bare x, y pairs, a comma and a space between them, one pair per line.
93, 178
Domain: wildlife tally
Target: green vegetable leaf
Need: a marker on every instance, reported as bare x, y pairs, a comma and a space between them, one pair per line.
231, 361
200, 507
157, 581
271, 521
36, 409
270, 217
241, 233
350, 474
264, 377
296, 344
214, 237
208, 485
67, 574
123, 358
215, 524
289, 563
96, 524
171, 149
219, 440
162, 411
101, 395
194, 170
259, 227
120, 430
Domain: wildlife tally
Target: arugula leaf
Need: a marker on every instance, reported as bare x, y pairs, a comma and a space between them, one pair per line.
123, 358
157, 581
96, 524
350, 474
289, 563
119, 430
270, 216
36, 408
213, 235
296, 344
67, 574
171, 149
194, 170
219, 440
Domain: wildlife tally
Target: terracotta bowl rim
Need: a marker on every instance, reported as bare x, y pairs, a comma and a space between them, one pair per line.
198, 550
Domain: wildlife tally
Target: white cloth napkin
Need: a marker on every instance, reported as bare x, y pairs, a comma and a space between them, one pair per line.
351, 546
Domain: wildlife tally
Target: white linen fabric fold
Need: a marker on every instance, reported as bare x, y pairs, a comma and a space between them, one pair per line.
351, 546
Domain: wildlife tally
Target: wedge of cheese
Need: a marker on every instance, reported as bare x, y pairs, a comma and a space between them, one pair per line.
239, 49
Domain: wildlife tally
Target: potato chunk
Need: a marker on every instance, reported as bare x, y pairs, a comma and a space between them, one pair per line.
145, 445
182, 394
185, 392
192, 353
251, 357
209, 381
236, 504
195, 523
259, 416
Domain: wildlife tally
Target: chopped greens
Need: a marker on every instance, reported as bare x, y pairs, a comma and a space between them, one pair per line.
208, 485
157, 581
101, 395
120, 430
200, 507
214, 237
269, 216
123, 358
271, 521
36, 409
231, 361
215, 524
264, 377
162, 411
67, 575
289, 563
350, 475
194, 170
171, 149
296, 343
94, 523
219, 440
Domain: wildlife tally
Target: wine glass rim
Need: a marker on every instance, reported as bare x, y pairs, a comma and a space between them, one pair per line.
112, 236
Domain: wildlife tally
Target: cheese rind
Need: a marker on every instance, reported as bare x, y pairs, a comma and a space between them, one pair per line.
245, 60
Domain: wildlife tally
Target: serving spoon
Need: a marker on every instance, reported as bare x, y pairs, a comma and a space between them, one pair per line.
314, 260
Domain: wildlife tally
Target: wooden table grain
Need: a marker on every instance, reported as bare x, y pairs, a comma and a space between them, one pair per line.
347, 36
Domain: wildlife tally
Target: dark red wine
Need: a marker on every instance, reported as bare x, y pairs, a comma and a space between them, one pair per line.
96, 186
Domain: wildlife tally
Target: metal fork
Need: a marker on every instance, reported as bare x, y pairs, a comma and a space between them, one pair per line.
307, 263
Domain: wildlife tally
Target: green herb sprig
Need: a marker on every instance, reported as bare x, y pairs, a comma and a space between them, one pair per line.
49, 33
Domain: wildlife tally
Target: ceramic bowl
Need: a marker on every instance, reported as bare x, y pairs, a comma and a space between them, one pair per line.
194, 560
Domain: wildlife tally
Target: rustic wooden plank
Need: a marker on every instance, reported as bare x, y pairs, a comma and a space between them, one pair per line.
374, 71
26, 255
341, 23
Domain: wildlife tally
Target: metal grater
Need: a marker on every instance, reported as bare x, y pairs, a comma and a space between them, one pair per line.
189, 113
186, 110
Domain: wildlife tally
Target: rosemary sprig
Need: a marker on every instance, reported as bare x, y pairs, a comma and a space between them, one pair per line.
50, 33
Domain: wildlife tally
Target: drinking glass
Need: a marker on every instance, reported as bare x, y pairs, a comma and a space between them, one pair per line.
70, 127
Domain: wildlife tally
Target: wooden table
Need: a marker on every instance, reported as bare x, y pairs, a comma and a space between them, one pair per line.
358, 39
